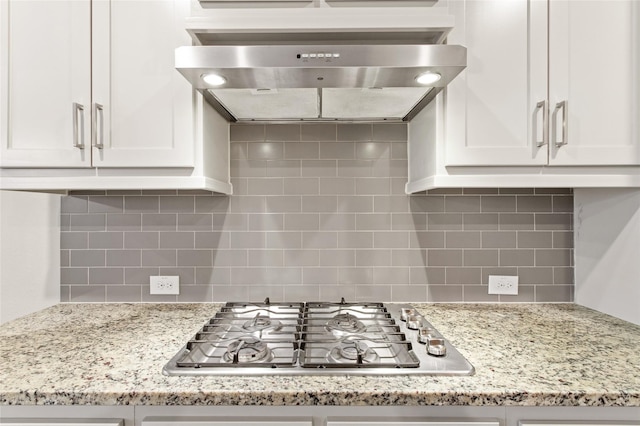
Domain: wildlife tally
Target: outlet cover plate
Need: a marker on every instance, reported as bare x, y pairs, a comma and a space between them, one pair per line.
164, 284
503, 284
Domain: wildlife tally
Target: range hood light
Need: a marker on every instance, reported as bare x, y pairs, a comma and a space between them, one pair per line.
214, 80
427, 78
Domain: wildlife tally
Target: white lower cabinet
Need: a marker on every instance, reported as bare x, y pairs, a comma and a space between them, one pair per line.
572, 416
318, 415
399, 415
66, 415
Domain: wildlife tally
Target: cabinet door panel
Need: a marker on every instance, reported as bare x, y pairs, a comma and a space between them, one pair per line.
490, 112
594, 67
405, 422
45, 69
578, 423
147, 103
61, 422
225, 421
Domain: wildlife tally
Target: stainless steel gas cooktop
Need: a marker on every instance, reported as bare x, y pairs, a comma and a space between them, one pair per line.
317, 338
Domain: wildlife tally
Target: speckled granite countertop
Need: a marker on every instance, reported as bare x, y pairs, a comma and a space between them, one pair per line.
113, 354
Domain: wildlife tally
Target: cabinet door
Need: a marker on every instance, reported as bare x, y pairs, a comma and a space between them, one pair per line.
226, 421
51, 421
491, 115
146, 105
370, 421
577, 423
594, 68
45, 83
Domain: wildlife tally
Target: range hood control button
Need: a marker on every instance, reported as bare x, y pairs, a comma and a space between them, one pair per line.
317, 55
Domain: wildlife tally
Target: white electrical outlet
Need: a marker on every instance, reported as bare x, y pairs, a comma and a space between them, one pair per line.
503, 284
164, 284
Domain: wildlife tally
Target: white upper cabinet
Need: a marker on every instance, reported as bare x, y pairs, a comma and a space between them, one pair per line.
142, 106
91, 99
92, 83
45, 83
517, 96
594, 68
490, 115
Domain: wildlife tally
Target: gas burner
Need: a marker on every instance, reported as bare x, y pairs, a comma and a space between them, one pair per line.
262, 323
247, 350
345, 324
351, 350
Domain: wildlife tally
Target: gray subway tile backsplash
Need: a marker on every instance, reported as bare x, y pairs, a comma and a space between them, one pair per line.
482, 257
318, 212
74, 205
159, 258
462, 204
86, 258
124, 293
534, 203
355, 132
158, 222
85, 293
106, 204
535, 239
563, 203
106, 276
499, 239
318, 132
390, 132
464, 276
142, 204
517, 257
124, 222
84, 222
123, 258
505, 203
105, 240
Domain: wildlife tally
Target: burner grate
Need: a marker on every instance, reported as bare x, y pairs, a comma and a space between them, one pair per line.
344, 335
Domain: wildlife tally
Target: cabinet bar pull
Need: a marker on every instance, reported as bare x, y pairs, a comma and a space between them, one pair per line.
541, 141
560, 106
78, 133
98, 125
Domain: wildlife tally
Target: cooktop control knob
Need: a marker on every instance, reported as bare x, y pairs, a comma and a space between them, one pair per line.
436, 346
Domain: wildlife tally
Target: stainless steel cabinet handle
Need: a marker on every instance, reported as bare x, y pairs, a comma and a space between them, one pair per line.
541, 141
98, 125
560, 106
78, 132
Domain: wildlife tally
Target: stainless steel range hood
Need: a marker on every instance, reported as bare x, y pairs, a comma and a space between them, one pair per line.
320, 64
320, 82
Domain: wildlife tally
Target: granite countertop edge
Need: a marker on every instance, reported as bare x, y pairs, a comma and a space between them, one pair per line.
332, 398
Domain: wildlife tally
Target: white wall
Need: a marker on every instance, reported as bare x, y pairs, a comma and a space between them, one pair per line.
607, 252
29, 253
